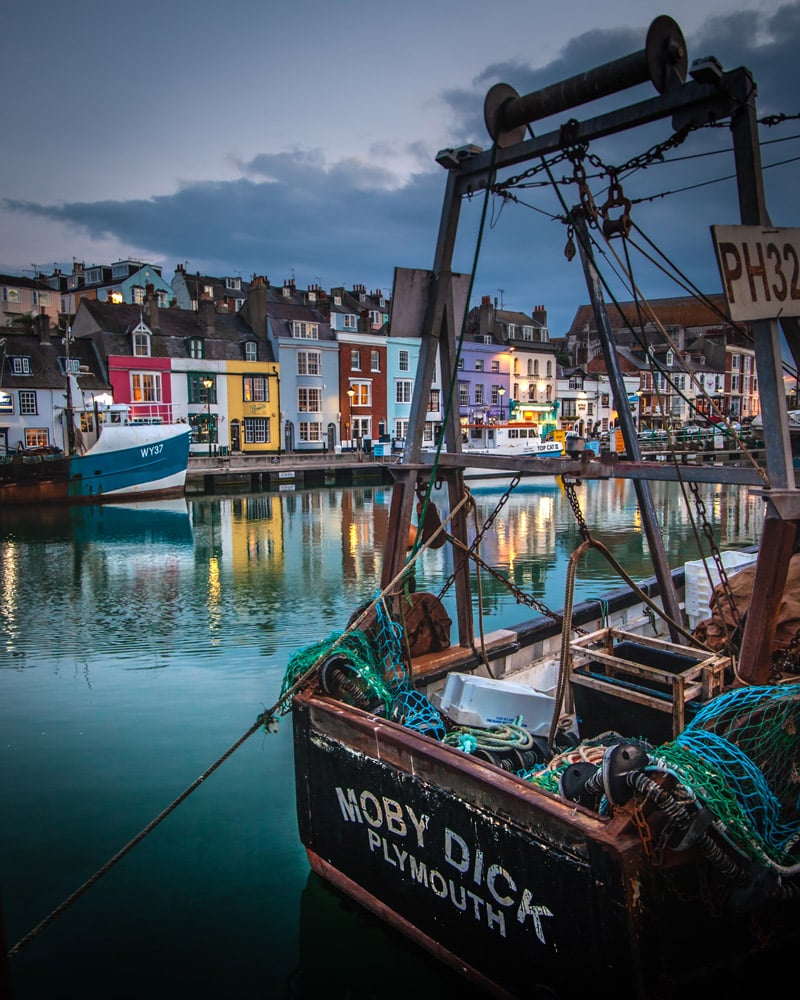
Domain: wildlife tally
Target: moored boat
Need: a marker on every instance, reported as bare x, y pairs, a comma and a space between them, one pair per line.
107, 458
598, 799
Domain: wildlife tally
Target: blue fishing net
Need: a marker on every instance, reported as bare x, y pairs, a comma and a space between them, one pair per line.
740, 756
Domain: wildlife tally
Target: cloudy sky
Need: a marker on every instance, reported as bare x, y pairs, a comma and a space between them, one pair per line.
298, 139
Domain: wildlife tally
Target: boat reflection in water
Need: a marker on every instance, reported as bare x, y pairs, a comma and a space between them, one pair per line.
165, 522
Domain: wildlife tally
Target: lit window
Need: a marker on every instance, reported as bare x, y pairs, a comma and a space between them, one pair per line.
255, 389
146, 387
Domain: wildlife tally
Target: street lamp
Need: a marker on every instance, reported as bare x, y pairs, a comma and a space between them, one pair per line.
501, 392
350, 394
208, 382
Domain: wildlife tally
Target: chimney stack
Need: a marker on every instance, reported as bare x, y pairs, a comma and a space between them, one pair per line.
256, 312
485, 316
43, 324
151, 307
208, 315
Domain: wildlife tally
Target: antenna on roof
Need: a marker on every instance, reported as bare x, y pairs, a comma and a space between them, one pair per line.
501, 290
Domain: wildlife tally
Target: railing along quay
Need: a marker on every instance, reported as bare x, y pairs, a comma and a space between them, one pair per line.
282, 473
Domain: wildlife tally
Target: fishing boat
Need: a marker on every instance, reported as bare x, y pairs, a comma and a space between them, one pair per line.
514, 439
597, 801
108, 457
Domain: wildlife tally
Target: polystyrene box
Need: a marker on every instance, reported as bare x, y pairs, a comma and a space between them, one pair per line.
698, 590
481, 701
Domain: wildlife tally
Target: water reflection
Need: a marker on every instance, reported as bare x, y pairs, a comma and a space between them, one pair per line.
138, 645
258, 571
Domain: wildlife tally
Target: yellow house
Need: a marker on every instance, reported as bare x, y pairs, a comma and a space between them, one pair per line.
254, 407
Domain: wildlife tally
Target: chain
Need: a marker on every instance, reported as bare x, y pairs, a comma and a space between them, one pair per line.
448, 583
700, 507
472, 553
572, 496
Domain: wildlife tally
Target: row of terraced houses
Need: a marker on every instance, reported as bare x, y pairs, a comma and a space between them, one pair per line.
259, 368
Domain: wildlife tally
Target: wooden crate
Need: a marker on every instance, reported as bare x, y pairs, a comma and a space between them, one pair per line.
655, 675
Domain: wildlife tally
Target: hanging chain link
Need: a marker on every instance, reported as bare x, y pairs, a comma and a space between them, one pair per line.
572, 496
472, 553
708, 531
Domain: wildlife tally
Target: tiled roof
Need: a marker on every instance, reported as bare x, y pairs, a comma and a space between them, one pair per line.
114, 323
45, 370
683, 312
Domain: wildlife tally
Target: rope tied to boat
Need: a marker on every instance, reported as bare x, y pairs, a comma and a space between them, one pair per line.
81, 890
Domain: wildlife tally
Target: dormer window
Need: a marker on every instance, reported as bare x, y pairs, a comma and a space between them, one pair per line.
141, 341
375, 317
208, 290
305, 331
251, 351
233, 283
337, 300
94, 276
20, 365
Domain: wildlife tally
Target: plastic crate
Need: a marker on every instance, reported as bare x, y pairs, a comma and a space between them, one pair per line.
697, 588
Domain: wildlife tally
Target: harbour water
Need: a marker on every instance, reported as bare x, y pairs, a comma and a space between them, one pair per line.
138, 644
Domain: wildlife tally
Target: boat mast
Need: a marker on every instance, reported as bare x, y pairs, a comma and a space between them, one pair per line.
69, 429
710, 96
655, 540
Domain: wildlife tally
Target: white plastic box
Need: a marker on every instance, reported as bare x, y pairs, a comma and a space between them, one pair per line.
698, 590
481, 701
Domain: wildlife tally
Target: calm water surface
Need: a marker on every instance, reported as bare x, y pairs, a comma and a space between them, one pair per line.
137, 644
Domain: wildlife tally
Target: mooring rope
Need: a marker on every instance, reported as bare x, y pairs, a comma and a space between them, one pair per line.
266, 720
139, 836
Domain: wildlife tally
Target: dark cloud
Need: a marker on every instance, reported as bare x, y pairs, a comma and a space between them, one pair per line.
354, 221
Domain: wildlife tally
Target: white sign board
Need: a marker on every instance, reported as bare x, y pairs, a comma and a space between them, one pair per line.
760, 270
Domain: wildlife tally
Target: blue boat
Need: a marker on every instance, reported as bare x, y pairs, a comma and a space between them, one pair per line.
108, 458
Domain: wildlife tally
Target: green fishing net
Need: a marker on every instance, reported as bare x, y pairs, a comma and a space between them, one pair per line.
369, 672
740, 756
